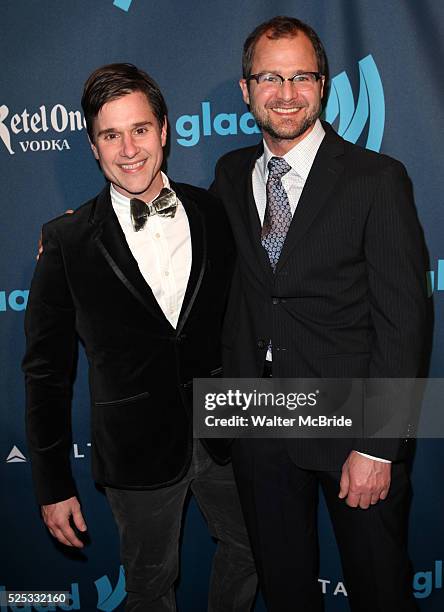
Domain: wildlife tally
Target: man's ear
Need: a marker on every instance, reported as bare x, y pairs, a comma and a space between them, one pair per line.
93, 148
164, 132
245, 93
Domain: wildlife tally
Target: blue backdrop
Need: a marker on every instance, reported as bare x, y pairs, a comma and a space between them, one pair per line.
387, 91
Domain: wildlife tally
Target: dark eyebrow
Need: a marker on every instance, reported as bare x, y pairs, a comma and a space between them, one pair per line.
113, 130
108, 131
142, 123
276, 72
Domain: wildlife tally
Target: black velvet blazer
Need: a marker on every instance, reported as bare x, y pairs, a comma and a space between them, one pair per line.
87, 284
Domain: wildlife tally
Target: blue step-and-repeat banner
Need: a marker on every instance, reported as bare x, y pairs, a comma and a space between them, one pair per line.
386, 63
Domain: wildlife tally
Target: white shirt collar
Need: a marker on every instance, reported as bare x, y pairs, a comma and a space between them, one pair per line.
301, 156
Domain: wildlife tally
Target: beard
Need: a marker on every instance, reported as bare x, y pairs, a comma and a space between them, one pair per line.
287, 129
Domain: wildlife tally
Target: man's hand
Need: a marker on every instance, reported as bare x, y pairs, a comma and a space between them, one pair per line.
364, 481
56, 517
40, 245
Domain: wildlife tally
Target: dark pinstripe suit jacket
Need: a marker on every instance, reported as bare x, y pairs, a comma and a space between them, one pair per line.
348, 298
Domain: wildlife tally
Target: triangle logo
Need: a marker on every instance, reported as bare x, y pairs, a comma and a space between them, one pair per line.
16, 456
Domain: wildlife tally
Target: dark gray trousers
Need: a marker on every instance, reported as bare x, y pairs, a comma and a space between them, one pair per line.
149, 525
280, 503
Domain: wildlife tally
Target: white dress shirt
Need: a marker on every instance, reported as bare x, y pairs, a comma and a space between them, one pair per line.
162, 250
300, 158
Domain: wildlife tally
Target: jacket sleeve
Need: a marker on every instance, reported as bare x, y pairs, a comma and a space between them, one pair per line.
396, 267
51, 348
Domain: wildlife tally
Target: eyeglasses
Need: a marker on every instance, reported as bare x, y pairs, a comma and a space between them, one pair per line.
301, 80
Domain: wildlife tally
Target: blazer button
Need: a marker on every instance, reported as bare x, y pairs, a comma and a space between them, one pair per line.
261, 344
276, 301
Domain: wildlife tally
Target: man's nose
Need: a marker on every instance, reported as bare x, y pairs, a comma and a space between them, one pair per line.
289, 90
129, 146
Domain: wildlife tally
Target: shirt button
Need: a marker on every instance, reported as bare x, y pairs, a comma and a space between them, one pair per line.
167, 273
157, 235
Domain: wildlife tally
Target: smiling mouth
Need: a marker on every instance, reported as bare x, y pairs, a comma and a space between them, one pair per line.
286, 111
132, 167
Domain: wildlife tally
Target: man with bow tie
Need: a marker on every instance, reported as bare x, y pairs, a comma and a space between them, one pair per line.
140, 273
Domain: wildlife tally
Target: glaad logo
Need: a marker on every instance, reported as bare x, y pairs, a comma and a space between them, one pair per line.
190, 127
15, 300
370, 105
57, 119
109, 599
425, 582
123, 4
439, 286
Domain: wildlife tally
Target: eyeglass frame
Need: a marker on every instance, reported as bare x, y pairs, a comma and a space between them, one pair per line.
317, 75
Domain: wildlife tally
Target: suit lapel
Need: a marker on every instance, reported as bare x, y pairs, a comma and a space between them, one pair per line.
251, 224
114, 248
199, 253
320, 183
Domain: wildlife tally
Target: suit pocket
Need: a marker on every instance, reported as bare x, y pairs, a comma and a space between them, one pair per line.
139, 440
125, 400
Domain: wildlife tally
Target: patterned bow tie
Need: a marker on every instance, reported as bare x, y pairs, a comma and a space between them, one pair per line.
164, 205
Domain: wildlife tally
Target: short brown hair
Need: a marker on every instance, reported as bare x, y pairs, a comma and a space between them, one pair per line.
113, 81
282, 27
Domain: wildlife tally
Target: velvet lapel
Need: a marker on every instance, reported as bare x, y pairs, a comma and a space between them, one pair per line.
114, 248
320, 183
199, 253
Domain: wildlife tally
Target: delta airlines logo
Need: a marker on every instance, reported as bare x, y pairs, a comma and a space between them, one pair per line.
79, 451
47, 128
16, 456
